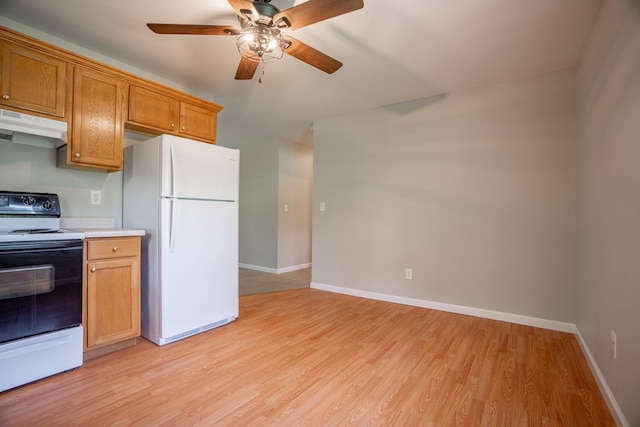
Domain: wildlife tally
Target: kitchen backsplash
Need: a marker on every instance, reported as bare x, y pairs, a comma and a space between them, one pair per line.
29, 168
87, 222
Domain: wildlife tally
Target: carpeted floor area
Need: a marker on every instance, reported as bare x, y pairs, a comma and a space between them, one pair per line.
258, 282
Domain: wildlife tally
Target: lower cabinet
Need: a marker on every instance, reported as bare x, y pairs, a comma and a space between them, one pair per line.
112, 291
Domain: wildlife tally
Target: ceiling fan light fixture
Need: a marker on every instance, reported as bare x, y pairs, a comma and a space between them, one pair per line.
261, 43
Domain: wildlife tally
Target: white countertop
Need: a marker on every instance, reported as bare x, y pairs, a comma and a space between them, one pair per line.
108, 232
97, 227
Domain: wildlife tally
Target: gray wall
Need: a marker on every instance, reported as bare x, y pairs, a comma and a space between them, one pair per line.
610, 199
294, 190
29, 168
273, 173
259, 204
475, 191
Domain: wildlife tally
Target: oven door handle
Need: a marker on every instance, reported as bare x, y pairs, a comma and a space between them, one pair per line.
40, 246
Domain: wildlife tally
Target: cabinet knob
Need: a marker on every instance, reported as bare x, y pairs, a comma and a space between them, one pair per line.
5, 96
93, 269
115, 249
173, 125
76, 155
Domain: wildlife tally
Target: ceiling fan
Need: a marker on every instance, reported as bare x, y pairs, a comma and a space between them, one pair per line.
260, 39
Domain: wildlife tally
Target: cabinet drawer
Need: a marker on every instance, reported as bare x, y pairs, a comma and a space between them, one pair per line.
112, 248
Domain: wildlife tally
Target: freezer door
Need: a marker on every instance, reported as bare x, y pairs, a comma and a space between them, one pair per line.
196, 170
199, 264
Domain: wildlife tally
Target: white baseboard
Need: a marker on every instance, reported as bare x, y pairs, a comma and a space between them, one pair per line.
452, 308
258, 268
294, 268
495, 315
275, 270
618, 416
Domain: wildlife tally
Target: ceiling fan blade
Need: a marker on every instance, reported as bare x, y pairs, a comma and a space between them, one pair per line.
313, 11
242, 6
246, 69
210, 30
312, 56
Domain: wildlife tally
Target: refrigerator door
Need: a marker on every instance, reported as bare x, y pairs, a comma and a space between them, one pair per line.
199, 266
196, 170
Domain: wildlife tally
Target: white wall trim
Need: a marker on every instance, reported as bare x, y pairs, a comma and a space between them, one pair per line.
452, 308
496, 315
602, 383
274, 270
294, 268
258, 268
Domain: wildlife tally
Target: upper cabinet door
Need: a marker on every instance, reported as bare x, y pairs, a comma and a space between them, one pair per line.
97, 137
150, 108
198, 122
159, 111
33, 81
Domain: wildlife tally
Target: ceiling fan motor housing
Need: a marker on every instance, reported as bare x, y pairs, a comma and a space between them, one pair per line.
265, 13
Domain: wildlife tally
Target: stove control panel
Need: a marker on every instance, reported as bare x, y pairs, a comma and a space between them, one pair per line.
29, 204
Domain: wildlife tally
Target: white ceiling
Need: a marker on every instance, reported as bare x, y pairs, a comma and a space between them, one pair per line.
392, 50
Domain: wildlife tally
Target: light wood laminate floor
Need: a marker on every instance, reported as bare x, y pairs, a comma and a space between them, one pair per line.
308, 357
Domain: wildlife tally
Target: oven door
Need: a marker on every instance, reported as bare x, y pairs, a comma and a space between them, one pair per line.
40, 287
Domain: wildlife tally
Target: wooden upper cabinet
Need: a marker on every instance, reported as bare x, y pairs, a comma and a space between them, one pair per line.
198, 122
161, 111
97, 133
151, 108
96, 100
33, 81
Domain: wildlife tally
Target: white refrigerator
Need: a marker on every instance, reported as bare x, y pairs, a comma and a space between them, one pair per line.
184, 194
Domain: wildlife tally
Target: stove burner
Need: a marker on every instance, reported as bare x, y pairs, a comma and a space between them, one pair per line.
35, 231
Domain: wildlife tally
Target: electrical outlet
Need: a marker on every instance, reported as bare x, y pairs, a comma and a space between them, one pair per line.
408, 273
322, 206
96, 197
286, 208
614, 344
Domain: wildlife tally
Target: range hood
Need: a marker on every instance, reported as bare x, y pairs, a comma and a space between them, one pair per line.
23, 128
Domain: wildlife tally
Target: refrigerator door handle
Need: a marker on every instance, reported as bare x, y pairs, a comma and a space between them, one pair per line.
173, 170
172, 226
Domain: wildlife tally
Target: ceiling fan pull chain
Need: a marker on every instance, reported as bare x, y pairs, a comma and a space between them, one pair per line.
260, 77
